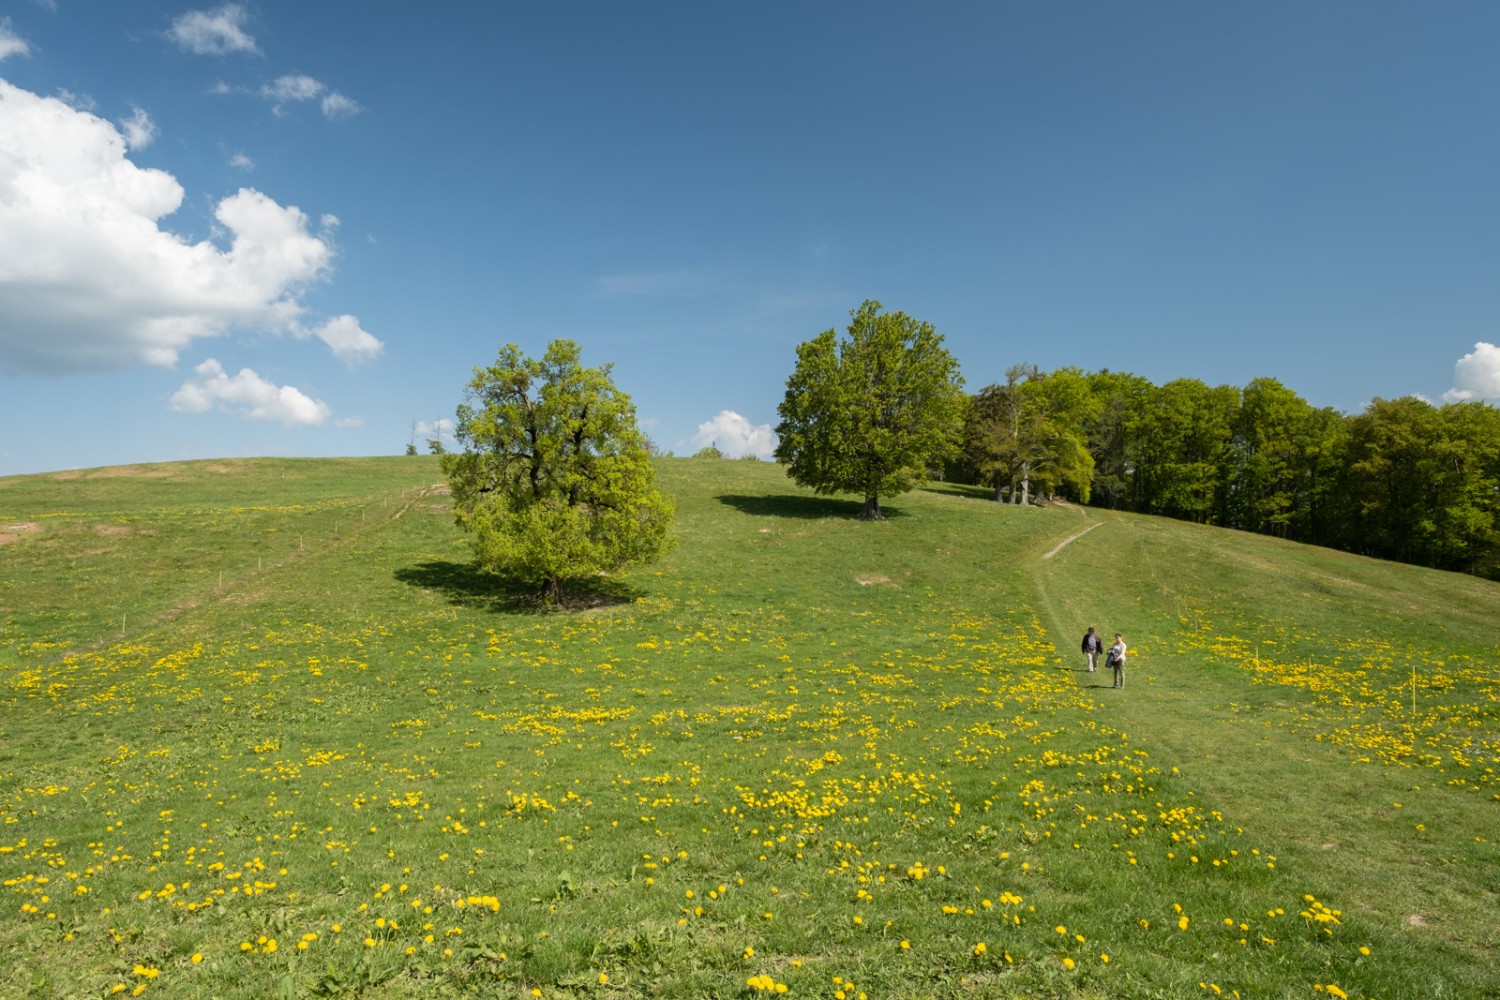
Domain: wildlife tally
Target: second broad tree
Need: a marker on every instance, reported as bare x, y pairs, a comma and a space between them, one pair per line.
554, 479
871, 414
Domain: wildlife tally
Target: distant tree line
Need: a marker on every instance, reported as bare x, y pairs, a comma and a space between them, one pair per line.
1403, 480
556, 484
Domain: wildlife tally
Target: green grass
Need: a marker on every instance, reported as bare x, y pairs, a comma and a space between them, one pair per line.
247, 707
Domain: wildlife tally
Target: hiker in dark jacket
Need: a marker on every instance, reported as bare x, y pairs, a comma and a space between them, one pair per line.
1092, 647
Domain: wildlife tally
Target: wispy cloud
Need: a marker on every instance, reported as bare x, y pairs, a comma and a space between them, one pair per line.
336, 105
1476, 376
680, 283
241, 161
213, 32
442, 426
247, 395
11, 44
139, 130
294, 88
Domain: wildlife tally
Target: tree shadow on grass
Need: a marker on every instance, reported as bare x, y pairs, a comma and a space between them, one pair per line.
808, 508
961, 490
465, 585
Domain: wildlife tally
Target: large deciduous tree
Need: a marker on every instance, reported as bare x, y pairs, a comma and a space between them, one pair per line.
554, 479
873, 413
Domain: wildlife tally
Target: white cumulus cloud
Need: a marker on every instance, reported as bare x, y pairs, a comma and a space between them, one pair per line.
735, 436
1476, 376
11, 44
247, 395
348, 342
213, 32
89, 279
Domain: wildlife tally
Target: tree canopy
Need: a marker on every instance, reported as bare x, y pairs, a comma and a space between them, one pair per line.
874, 413
1404, 480
1029, 433
554, 479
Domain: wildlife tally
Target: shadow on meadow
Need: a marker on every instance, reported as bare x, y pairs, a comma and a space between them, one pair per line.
468, 586
785, 505
964, 491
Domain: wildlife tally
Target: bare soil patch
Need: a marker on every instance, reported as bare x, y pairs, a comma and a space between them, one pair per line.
14, 530
113, 530
130, 472
115, 472
871, 579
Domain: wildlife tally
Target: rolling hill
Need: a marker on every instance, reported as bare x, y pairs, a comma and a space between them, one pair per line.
265, 729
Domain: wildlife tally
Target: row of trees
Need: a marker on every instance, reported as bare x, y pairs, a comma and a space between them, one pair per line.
876, 411
555, 481
1403, 480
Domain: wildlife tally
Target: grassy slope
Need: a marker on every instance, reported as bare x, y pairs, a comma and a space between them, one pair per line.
278, 613
1293, 753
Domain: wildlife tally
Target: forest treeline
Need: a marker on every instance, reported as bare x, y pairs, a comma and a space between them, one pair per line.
1403, 480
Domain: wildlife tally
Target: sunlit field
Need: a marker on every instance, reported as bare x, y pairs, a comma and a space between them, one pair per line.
265, 732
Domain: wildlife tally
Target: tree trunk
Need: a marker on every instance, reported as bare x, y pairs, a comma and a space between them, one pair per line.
552, 591
1025, 484
872, 509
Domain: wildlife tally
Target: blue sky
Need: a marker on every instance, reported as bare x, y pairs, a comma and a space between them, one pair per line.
284, 228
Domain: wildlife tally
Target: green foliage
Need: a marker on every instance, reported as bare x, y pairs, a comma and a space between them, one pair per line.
871, 414
554, 480
1180, 443
1029, 435
1288, 457
1119, 396
708, 451
1425, 482
1403, 480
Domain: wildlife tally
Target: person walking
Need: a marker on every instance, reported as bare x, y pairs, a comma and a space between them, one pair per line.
1116, 659
1092, 647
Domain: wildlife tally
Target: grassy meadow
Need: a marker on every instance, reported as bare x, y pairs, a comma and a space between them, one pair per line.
265, 732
